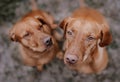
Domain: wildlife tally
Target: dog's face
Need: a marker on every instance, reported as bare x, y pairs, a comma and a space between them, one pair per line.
33, 33
82, 38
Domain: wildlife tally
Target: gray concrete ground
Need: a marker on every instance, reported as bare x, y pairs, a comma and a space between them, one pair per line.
12, 68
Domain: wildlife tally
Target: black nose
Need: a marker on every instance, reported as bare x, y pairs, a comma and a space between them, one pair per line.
72, 59
48, 41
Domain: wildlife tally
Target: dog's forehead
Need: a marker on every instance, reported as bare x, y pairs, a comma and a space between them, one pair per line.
32, 22
22, 27
84, 26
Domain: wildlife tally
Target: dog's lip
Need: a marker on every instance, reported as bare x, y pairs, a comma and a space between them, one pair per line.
70, 64
44, 50
48, 48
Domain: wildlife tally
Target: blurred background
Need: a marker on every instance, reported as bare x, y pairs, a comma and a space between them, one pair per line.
13, 70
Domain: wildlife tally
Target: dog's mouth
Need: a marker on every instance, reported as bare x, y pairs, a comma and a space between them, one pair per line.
48, 47
70, 65
42, 49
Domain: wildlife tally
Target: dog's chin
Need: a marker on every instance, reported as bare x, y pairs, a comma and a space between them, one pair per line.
42, 50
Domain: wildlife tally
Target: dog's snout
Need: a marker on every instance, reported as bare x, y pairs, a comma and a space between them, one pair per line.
48, 41
72, 59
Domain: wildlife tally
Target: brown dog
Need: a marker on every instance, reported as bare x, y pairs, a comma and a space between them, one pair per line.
86, 33
34, 33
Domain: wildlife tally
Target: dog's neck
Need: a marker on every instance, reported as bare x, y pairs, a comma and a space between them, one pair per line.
98, 57
98, 54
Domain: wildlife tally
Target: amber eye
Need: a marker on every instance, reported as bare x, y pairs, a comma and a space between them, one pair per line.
90, 38
40, 27
69, 32
26, 35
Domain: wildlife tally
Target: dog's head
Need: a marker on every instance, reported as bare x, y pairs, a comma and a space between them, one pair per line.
34, 33
82, 38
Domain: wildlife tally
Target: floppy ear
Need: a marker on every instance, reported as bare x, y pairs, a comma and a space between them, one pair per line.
41, 19
44, 21
65, 23
106, 37
50, 20
12, 35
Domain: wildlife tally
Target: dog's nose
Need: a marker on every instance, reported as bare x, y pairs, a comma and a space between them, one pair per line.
48, 41
72, 59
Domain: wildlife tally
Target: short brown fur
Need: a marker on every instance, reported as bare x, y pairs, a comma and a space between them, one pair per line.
86, 33
31, 32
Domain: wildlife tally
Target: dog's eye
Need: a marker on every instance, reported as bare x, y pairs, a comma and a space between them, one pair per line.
90, 38
69, 32
26, 35
40, 27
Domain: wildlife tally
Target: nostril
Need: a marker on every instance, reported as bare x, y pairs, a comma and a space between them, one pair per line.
67, 59
73, 60
48, 41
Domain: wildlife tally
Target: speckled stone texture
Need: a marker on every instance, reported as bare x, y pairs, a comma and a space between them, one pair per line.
13, 70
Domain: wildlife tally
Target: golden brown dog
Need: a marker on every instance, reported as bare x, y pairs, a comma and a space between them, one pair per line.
34, 33
86, 33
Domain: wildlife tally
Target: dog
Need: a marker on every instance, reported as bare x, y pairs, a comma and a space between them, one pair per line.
86, 34
34, 32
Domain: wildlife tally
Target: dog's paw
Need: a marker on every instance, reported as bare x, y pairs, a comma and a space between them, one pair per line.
40, 67
60, 55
